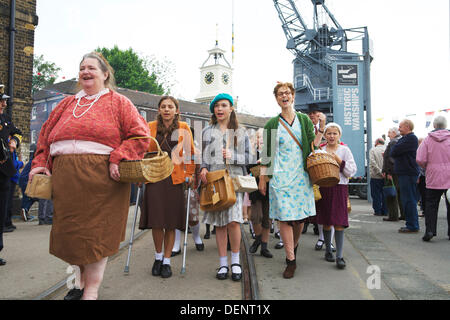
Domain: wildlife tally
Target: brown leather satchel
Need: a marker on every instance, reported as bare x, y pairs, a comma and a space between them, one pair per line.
218, 194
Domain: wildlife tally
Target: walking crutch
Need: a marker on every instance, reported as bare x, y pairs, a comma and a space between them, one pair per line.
183, 268
127, 268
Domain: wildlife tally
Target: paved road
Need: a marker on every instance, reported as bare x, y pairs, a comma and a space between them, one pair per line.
410, 268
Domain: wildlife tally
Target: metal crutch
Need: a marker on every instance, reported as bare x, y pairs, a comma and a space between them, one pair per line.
127, 266
183, 268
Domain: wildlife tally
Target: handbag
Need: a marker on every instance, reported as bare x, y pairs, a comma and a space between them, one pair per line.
389, 190
245, 184
218, 193
40, 187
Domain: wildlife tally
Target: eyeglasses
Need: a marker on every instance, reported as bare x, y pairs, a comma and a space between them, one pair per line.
280, 94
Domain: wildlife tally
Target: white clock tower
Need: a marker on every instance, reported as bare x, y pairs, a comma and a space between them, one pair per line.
216, 76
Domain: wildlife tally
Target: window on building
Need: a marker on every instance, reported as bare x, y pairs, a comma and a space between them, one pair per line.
143, 114
54, 104
33, 113
44, 107
188, 121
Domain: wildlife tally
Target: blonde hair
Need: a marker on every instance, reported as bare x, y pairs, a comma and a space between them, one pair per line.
104, 65
289, 85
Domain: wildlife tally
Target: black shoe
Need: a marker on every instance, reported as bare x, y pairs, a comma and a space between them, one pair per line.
166, 271
175, 253
266, 253
236, 276
428, 236
200, 247
222, 276
279, 245
74, 294
305, 227
207, 235
316, 229
277, 235
319, 245
2, 262
156, 269
8, 229
340, 263
406, 230
41, 222
213, 231
254, 247
329, 256
49, 221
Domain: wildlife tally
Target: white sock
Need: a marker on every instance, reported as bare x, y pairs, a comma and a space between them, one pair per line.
251, 226
275, 227
320, 227
158, 256
235, 260
196, 234
166, 261
176, 245
223, 263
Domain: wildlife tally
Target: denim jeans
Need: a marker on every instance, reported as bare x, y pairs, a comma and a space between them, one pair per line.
27, 202
378, 199
409, 199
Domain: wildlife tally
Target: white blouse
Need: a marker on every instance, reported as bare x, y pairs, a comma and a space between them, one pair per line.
350, 165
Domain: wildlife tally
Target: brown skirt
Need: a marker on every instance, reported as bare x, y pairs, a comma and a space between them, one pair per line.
90, 209
163, 206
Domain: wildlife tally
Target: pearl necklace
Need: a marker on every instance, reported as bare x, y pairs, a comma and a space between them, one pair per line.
97, 97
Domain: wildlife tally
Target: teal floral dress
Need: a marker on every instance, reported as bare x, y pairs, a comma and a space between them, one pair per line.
291, 194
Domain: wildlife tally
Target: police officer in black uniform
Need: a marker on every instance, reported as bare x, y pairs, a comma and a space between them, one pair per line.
10, 138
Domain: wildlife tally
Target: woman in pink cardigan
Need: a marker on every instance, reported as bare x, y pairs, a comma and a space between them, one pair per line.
433, 154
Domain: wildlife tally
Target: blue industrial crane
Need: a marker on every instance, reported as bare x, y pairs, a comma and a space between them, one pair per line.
328, 75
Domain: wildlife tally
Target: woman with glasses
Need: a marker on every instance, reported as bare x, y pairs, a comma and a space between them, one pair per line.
287, 144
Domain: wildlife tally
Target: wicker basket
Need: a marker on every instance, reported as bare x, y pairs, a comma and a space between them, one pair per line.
322, 168
153, 168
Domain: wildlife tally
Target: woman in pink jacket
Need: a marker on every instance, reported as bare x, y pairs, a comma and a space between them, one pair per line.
433, 154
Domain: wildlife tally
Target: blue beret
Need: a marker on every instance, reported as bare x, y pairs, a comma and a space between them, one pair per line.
220, 96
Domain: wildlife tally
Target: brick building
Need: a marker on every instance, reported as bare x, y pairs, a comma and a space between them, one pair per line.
25, 22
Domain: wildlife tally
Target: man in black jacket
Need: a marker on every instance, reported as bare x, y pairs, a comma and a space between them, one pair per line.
10, 138
405, 166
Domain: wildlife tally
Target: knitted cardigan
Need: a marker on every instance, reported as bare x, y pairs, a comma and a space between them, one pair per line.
271, 126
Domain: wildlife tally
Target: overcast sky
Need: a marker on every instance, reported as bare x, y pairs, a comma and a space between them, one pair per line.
410, 71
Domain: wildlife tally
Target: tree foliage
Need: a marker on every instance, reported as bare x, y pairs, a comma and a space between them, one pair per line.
44, 73
134, 72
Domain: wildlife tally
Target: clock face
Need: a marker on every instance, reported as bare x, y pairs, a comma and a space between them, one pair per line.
225, 78
209, 77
